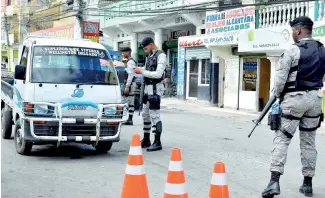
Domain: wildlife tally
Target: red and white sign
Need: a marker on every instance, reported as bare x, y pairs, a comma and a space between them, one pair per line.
190, 41
91, 30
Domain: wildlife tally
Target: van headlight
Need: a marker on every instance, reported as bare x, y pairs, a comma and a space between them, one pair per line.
38, 109
109, 111
41, 109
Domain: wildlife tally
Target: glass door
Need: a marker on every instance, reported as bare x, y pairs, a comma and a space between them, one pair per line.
193, 78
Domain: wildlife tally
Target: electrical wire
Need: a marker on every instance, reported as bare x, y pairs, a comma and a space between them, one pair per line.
101, 12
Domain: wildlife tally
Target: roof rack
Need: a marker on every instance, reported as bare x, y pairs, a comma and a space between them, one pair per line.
53, 37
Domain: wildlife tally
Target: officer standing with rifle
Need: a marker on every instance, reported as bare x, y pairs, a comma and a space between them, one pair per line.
152, 72
298, 80
129, 83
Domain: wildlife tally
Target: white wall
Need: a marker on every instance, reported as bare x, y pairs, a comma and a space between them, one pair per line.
141, 36
230, 64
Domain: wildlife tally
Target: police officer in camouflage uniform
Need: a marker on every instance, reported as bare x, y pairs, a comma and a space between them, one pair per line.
153, 73
128, 92
298, 80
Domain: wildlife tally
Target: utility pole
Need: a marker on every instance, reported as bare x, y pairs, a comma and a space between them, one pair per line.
21, 36
6, 28
77, 6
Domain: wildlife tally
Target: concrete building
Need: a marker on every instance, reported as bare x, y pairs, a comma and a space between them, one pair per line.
247, 44
10, 31
128, 22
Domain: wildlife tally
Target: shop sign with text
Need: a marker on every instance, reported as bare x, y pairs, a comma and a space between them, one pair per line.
177, 34
227, 39
91, 31
190, 41
319, 31
233, 20
65, 31
262, 40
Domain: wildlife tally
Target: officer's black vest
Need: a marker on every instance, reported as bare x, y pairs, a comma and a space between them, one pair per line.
310, 68
151, 65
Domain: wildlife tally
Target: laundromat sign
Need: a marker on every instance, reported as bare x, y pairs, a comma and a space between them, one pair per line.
190, 42
230, 20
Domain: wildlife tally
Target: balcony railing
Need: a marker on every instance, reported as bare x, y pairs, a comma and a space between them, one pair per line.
280, 15
319, 10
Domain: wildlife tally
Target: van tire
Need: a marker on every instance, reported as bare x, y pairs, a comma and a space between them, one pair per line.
103, 147
22, 147
6, 122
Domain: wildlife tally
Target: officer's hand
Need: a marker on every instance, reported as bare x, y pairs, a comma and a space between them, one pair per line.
138, 70
126, 91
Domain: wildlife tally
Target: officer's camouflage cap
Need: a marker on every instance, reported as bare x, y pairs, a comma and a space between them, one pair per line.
126, 49
146, 41
302, 20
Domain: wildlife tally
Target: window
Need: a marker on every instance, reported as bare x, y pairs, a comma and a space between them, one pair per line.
24, 57
72, 65
249, 74
205, 72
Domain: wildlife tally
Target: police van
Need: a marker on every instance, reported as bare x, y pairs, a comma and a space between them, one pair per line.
63, 90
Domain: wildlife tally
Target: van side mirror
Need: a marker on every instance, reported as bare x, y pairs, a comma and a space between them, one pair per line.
20, 72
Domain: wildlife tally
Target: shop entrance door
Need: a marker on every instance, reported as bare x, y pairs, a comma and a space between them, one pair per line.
264, 83
192, 79
174, 67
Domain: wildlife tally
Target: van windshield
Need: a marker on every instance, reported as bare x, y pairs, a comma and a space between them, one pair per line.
72, 65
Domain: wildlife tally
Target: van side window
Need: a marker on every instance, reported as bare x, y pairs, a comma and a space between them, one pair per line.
24, 57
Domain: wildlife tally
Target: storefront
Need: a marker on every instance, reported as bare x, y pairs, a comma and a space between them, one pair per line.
171, 49
222, 29
193, 68
258, 59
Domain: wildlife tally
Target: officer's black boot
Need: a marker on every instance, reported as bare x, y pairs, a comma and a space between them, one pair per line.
145, 142
156, 146
130, 120
307, 187
273, 188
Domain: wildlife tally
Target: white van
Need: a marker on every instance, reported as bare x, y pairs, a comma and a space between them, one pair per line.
63, 90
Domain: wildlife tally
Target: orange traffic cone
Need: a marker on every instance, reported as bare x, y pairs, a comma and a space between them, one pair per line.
175, 186
135, 181
219, 186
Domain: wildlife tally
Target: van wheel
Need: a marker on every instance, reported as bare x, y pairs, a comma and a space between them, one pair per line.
6, 122
103, 147
22, 147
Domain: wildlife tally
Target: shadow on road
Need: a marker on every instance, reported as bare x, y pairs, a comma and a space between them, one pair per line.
72, 151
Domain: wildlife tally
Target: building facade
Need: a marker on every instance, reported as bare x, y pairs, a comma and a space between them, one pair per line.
259, 49
126, 23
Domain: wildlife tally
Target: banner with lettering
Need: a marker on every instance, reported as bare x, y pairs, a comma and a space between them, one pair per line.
65, 31
230, 20
91, 31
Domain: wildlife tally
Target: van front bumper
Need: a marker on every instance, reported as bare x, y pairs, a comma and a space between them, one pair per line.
43, 130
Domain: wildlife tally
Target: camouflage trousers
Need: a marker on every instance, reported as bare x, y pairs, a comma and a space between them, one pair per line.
151, 116
130, 100
300, 109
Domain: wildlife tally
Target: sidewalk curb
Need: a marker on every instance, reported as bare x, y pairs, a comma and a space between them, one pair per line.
188, 107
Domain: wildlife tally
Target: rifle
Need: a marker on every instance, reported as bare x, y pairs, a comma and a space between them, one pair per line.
141, 96
264, 112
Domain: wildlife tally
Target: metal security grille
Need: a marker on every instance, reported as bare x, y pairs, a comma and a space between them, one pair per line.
197, 53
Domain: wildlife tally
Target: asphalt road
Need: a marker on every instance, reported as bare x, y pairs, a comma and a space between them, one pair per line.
76, 171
